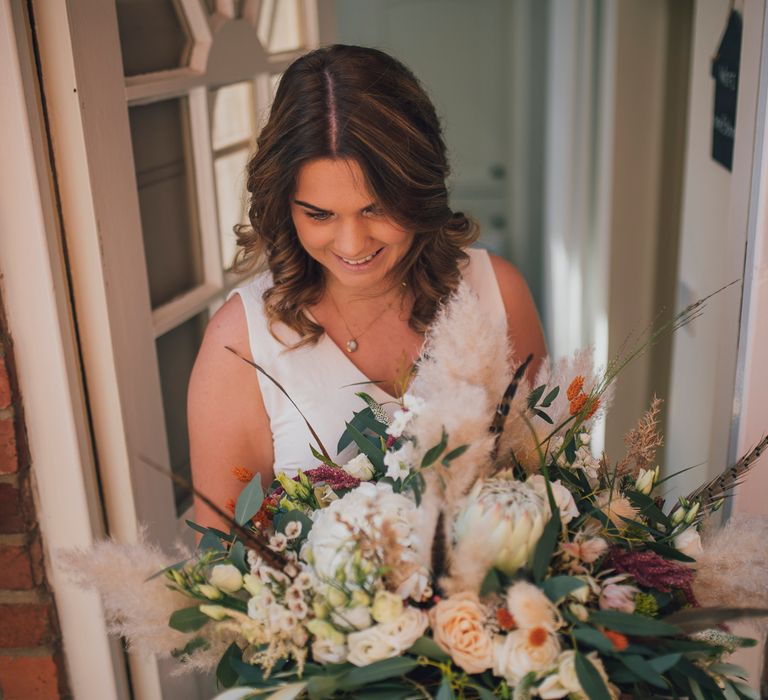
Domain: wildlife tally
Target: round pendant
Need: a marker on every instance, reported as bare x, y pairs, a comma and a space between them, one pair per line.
351, 345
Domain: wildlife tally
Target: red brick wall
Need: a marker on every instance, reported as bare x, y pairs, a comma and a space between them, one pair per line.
31, 659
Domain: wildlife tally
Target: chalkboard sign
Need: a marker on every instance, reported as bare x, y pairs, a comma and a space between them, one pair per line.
725, 71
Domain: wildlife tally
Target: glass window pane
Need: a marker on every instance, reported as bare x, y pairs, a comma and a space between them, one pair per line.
280, 25
176, 352
152, 36
166, 197
231, 114
231, 198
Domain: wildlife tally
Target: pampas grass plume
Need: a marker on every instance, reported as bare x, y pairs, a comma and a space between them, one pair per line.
134, 607
733, 569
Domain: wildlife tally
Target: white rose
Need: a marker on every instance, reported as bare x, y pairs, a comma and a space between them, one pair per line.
523, 651
227, 578
326, 651
386, 606
324, 630
369, 646
689, 543
404, 630
563, 497
360, 468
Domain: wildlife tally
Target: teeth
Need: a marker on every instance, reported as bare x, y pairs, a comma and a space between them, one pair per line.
361, 260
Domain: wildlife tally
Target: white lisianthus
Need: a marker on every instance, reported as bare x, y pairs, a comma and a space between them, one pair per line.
415, 404
326, 651
360, 467
563, 497
325, 630
531, 608
399, 462
688, 542
522, 651
645, 480
252, 584
386, 606
399, 423
227, 578
504, 519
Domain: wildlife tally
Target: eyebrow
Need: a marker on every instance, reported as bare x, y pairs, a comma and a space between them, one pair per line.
323, 211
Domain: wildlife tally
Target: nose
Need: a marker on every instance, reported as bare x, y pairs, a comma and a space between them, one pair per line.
352, 239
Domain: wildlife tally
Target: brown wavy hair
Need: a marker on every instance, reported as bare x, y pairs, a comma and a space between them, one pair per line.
358, 103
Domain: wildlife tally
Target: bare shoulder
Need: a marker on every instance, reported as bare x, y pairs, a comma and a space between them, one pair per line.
523, 321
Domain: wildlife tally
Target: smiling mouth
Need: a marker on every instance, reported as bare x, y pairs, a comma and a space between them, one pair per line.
361, 261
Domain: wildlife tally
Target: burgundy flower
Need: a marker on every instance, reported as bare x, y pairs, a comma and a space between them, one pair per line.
653, 571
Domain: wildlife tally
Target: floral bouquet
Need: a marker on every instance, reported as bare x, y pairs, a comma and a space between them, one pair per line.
475, 548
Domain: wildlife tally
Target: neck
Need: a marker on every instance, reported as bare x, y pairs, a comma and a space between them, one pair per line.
382, 295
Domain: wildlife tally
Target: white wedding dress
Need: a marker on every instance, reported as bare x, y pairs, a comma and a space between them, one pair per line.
321, 378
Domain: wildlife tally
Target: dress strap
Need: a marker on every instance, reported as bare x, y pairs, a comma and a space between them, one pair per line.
482, 279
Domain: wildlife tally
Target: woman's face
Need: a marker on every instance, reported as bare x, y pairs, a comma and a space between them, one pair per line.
340, 224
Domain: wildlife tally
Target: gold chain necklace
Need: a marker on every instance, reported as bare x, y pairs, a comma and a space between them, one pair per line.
352, 344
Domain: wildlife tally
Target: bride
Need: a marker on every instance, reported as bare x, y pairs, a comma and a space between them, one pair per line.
356, 247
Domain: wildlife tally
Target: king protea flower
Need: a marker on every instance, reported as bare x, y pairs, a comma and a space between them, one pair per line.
503, 518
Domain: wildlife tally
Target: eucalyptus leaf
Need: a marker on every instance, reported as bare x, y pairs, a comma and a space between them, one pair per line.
426, 646
188, 619
535, 395
628, 623
203, 530
661, 664
293, 516
225, 673
249, 501
453, 454
434, 452
557, 587
593, 638
550, 397
368, 448
377, 671
545, 547
590, 679
543, 415
445, 691
643, 670
237, 556
210, 541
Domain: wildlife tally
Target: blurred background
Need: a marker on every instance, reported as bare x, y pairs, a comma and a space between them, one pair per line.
581, 139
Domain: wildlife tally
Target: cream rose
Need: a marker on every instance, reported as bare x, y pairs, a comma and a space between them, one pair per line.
565, 683
405, 629
227, 578
458, 625
531, 608
523, 651
386, 606
563, 497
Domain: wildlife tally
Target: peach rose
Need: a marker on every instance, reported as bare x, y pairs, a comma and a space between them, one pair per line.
458, 625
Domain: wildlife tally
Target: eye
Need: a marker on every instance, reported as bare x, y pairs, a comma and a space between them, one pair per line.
318, 216
373, 211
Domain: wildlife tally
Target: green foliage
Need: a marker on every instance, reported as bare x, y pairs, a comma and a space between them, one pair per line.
188, 619
426, 646
434, 452
367, 447
590, 679
249, 501
362, 421
225, 673
557, 587
453, 454
545, 547
237, 556
282, 519
633, 624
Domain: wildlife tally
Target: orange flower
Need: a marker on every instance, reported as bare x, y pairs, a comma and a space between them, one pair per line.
231, 505
592, 408
242, 474
578, 403
575, 388
537, 636
505, 619
619, 641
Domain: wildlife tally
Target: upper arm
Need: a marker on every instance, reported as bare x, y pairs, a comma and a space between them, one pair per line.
228, 424
524, 326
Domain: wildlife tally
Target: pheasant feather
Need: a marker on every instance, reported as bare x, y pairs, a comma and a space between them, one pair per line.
720, 487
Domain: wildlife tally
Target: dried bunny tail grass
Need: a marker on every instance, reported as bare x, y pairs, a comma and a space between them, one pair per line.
135, 608
642, 442
464, 345
733, 569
